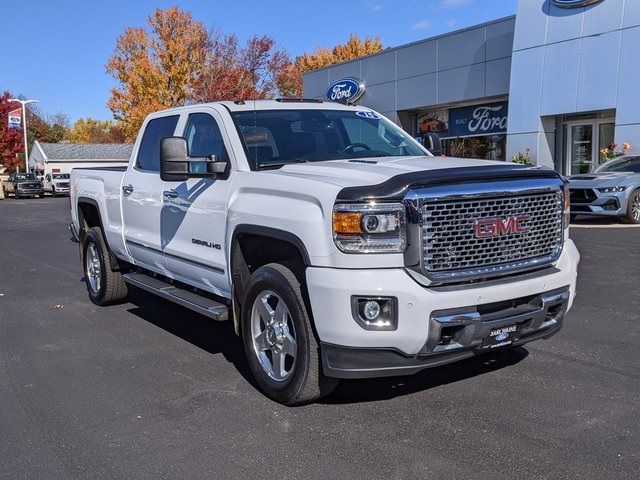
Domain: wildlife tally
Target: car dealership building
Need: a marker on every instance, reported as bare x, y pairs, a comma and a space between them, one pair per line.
561, 79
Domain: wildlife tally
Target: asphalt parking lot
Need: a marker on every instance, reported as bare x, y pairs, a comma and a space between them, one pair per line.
149, 390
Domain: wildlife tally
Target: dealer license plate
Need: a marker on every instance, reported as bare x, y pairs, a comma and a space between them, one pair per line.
502, 336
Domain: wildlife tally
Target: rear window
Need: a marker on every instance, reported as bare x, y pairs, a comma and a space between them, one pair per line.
149, 151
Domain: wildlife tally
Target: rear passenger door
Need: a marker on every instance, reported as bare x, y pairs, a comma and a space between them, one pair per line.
194, 216
142, 200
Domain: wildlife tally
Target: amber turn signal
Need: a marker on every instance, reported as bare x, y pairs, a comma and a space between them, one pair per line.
347, 223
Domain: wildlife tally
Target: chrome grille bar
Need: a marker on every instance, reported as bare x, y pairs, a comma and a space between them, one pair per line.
451, 250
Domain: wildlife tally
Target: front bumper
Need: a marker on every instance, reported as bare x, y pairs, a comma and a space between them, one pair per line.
29, 192
349, 351
613, 204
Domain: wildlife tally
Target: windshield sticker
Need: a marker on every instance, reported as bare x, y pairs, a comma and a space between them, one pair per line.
368, 115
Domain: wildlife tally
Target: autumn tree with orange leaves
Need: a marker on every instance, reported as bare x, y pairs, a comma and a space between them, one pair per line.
290, 78
156, 69
177, 61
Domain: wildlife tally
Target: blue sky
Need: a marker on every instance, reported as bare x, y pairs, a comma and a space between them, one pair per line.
58, 52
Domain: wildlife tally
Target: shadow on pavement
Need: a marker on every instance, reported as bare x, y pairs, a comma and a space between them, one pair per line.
219, 338
356, 391
211, 336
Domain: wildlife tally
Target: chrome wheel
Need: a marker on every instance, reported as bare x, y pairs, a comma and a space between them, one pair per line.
635, 207
273, 334
93, 267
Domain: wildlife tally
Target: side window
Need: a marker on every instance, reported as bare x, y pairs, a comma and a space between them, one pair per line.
149, 151
204, 137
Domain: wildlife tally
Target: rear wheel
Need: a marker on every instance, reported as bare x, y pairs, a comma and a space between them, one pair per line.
633, 207
279, 342
105, 286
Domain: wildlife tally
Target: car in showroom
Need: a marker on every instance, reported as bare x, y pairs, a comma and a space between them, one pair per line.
611, 190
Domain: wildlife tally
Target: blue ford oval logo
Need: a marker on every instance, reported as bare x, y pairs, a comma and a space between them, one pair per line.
574, 3
346, 90
502, 336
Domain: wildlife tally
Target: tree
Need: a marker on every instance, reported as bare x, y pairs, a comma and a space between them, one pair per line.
156, 68
240, 73
90, 130
11, 143
289, 80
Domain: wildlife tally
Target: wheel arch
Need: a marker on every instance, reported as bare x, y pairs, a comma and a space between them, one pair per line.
88, 217
253, 246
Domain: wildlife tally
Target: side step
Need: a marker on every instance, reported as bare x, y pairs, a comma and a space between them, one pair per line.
186, 298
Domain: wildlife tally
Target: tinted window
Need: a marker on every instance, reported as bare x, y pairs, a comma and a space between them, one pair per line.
624, 164
204, 137
275, 138
149, 152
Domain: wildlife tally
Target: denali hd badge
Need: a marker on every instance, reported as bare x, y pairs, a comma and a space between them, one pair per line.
495, 227
574, 3
347, 90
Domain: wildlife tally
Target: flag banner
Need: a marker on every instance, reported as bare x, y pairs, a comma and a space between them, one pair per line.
15, 118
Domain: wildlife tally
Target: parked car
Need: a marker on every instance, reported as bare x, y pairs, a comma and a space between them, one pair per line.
56, 183
337, 245
22, 185
611, 190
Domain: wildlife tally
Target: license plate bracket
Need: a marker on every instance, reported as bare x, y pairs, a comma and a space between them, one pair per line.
502, 336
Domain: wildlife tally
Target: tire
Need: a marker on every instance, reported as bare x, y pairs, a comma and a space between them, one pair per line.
53, 192
275, 292
105, 286
633, 207
16, 195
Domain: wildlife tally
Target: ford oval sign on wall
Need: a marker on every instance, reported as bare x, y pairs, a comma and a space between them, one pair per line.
346, 90
574, 3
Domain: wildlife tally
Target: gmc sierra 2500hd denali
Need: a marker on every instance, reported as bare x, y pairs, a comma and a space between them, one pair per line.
337, 244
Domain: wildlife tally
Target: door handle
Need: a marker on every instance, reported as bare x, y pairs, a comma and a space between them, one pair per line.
170, 194
127, 189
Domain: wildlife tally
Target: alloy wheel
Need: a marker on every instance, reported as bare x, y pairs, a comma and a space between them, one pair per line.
635, 207
273, 334
93, 267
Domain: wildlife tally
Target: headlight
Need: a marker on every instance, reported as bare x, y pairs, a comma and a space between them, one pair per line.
611, 189
369, 228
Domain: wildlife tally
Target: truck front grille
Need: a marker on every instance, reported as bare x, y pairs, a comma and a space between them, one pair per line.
452, 249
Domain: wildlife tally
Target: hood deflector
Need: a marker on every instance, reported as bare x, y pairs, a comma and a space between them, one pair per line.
396, 187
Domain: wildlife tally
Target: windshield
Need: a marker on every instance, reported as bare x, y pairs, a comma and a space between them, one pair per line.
622, 164
25, 176
273, 138
60, 176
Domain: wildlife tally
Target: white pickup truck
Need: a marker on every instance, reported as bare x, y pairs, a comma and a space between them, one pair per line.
337, 245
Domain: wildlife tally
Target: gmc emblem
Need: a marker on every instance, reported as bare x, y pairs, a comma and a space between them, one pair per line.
494, 227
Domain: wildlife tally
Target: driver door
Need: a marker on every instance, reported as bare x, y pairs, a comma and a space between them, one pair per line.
194, 213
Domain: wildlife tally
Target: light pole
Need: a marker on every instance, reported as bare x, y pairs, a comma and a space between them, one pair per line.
24, 127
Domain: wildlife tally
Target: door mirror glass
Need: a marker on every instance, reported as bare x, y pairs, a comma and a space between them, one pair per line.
177, 166
433, 143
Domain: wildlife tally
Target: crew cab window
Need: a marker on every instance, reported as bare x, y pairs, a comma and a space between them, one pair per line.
204, 137
149, 151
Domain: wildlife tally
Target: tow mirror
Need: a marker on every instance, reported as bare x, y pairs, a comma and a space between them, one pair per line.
177, 166
433, 143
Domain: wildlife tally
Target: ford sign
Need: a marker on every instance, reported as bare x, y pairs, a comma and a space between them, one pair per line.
347, 90
574, 3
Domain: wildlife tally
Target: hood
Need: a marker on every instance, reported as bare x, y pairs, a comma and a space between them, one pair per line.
605, 179
371, 171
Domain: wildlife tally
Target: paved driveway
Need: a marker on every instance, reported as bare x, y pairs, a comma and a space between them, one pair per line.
150, 390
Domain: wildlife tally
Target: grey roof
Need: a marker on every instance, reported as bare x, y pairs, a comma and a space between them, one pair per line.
87, 151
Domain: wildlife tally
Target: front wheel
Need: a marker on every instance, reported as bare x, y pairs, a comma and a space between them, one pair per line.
53, 192
279, 342
105, 286
633, 207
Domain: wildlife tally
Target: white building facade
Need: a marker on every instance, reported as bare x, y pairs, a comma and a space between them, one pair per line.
558, 79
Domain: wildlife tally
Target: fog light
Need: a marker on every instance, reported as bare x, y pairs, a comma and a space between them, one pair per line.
377, 313
371, 310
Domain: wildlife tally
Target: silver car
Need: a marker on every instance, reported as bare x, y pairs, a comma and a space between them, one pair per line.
611, 190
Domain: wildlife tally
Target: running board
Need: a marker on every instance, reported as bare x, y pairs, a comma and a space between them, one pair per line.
186, 298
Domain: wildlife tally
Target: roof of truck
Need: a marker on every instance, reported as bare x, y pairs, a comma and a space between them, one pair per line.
277, 104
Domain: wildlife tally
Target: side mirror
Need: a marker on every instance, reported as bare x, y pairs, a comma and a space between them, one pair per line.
177, 166
433, 143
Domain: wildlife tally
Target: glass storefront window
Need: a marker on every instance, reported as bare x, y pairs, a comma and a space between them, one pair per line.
486, 147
